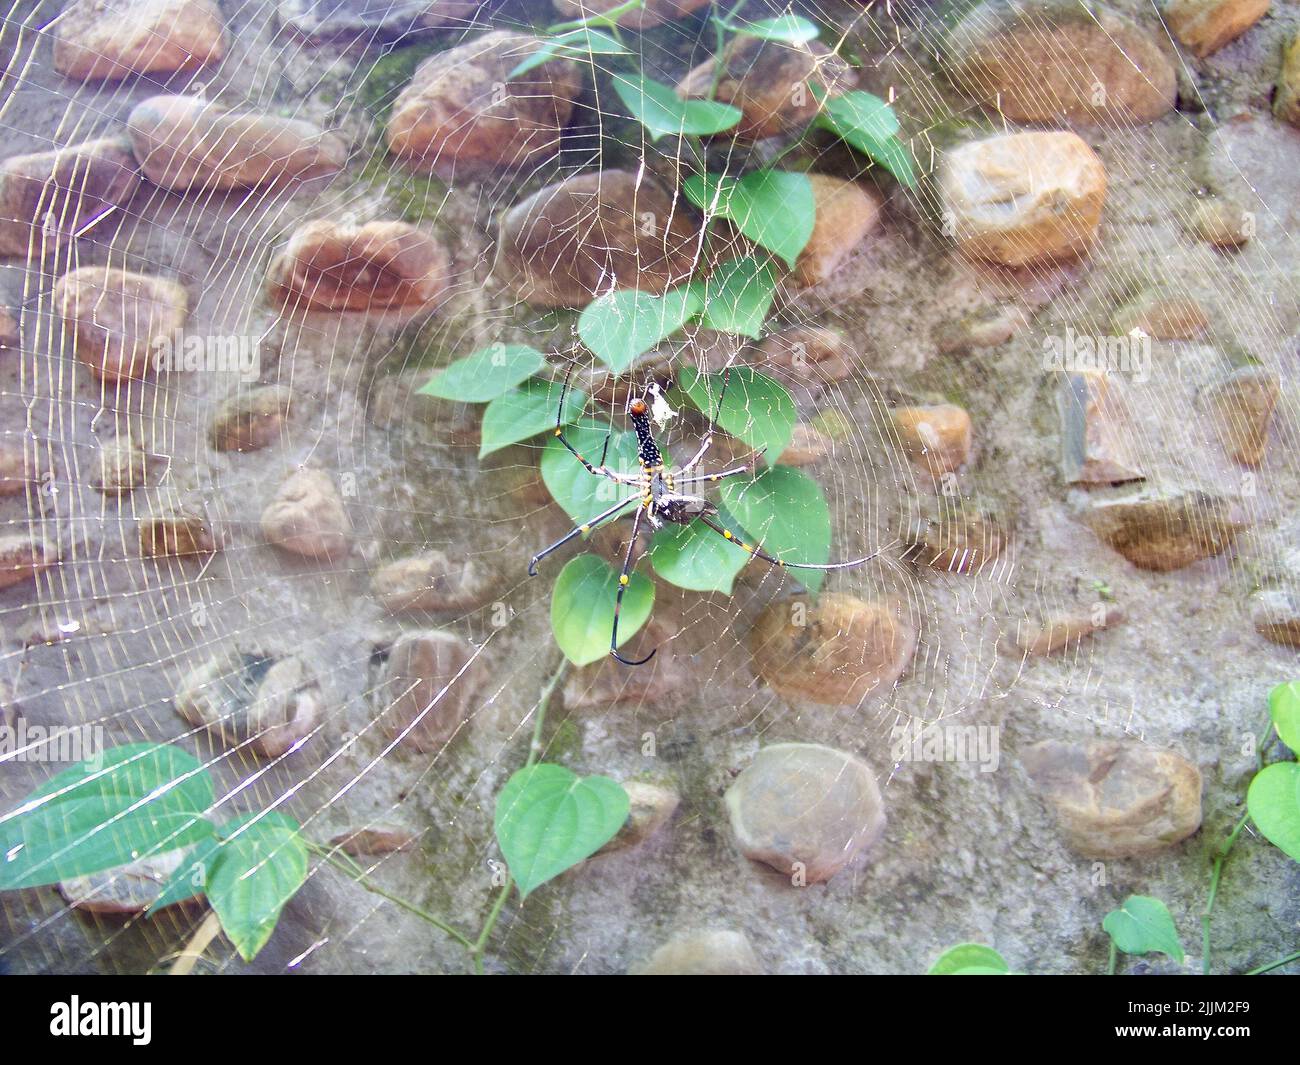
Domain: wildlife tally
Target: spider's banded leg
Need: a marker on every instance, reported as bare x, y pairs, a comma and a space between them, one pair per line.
745, 467
578, 530
713, 423
599, 468
623, 579
727, 534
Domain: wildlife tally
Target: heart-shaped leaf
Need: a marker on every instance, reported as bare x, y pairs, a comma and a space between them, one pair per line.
620, 325
486, 374
1284, 709
696, 558
773, 208
786, 514
526, 411
737, 296
583, 495
970, 959
261, 865
582, 43
867, 123
788, 29
1274, 803
663, 113
1143, 926
548, 819
755, 408
582, 608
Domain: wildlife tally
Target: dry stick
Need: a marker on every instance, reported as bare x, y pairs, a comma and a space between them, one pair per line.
205, 934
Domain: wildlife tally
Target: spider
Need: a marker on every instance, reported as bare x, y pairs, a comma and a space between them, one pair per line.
660, 499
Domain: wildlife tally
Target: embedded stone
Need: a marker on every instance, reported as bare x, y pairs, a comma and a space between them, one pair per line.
1117, 799
1275, 613
15, 469
805, 810
716, 952
192, 145
846, 215
123, 464
374, 841
119, 320
48, 198
987, 327
651, 807
1065, 631
573, 241
22, 557
434, 580
1163, 318
307, 517
1222, 223
426, 703
176, 532
1241, 408
251, 419
379, 266
835, 650
1097, 435
1022, 198
130, 888
651, 13
1286, 98
960, 538
109, 40
463, 112
1205, 26
320, 21
1166, 532
809, 355
937, 437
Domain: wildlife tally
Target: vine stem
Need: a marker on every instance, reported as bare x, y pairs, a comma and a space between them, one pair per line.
205, 934
1113, 960
1294, 956
479, 946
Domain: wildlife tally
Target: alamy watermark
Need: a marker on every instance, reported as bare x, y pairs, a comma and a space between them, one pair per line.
212, 353
26, 742
976, 744
1129, 353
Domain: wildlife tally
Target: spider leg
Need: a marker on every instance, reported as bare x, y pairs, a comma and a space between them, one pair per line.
577, 530
598, 469
727, 534
623, 579
713, 422
744, 467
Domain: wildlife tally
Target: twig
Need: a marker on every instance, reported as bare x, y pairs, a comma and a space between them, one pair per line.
203, 935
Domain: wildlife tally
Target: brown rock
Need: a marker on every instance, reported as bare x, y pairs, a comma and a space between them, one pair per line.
987, 327
1021, 198
48, 198
1117, 800
108, 40
846, 214
462, 112
1061, 632
960, 538
1275, 613
807, 447
1205, 26
775, 85
1097, 435
321, 21
22, 557
10, 333
1241, 409
810, 355
434, 580
177, 532
307, 517
651, 13
1222, 223
190, 145
937, 437
708, 953
1165, 532
123, 465
805, 810
251, 420
119, 320
1061, 62
652, 807
15, 469
252, 697
124, 889
836, 650
1286, 100
1163, 318
380, 266
426, 704
573, 241
374, 841
608, 683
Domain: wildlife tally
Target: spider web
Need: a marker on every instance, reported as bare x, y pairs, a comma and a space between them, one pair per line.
105, 637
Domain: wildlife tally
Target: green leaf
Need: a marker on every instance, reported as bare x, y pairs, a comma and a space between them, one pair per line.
663, 113
1274, 803
135, 801
786, 514
1143, 926
970, 959
524, 412
736, 298
261, 865
755, 409
773, 208
575, 44
696, 558
867, 123
621, 325
1284, 709
790, 29
486, 374
548, 819
581, 494
191, 876
582, 608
